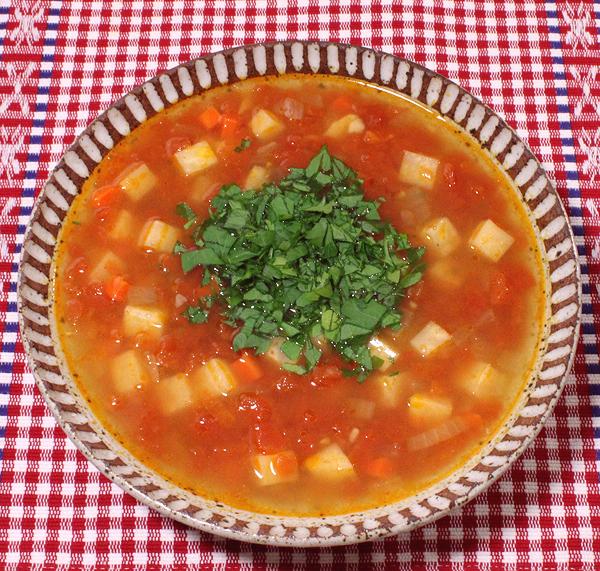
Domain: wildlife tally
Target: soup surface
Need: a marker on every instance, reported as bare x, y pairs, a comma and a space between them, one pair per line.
241, 427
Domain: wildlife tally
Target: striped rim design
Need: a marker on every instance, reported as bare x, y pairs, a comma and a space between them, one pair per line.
192, 78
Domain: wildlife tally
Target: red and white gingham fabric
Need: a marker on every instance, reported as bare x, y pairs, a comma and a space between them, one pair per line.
61, 63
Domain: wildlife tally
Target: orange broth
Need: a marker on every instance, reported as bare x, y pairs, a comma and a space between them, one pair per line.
400, 430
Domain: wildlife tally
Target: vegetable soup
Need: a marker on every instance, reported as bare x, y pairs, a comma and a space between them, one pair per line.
299, 295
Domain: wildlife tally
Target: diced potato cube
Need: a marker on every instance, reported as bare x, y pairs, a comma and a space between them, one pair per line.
175, 393
330, 463
214, 378
441, 236
362, 409
430, 338
159, 236
482, 381
278, 468
138, 182
390, 388
265, 125
347, 125
140, 319
196, 158
446, 273
418, 170
256, 177
490, 240
122, 227
428, 409
108, 265
128, 371
275, 354
384, 351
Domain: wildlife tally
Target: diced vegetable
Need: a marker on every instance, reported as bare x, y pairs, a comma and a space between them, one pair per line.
214, 378
210, 118
140, 319
271, 469
418, 170
380, 468
383, 351
142, 295
109, 265
196, 158
247, 369
122, 227
440, 236
275, 354
424, 408
116, 288
105, 196
430, 338
330, 463
175, 393
128, 372
490, 240
362, 409
292, 109
446, 273
159, 236
257, 176
390, 388
437, 434
138, 182
347, 125
265, 125
482, 381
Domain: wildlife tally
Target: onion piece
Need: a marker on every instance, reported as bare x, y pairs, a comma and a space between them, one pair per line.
142, 295
292, 109
180, 300
440, 433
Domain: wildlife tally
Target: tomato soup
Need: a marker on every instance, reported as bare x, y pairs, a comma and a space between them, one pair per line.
277, 426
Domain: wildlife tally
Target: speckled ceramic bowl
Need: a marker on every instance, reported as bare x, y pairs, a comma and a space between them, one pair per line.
487, 129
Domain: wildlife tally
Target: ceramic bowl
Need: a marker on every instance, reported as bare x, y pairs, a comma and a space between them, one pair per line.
430, 89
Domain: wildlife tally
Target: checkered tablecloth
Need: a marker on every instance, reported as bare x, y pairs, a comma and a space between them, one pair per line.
61, 63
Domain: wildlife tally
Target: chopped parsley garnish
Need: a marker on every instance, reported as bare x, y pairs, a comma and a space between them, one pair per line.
244, 144
305, 260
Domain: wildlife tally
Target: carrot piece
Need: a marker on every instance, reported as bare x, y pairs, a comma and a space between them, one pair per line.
286, 464
247, 368
229, 127
210, 118
380, 468
342, 104
116, 288
499, 290
106, 195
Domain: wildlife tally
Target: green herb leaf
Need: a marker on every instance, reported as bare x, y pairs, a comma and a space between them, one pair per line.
305, 259
244, 144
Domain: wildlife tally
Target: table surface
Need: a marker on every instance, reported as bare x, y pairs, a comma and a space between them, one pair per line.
536, 63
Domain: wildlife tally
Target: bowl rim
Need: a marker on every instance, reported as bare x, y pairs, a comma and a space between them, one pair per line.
501, 143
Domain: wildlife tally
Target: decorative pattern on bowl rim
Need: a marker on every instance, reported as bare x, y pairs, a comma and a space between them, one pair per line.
232, 65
